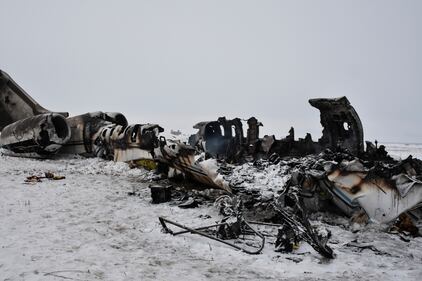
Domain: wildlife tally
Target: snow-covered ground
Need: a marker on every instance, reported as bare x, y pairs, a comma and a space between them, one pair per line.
87, 227
403, 150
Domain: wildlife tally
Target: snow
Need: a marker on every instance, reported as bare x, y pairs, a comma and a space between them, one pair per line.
266, 180
403, 150
87, 227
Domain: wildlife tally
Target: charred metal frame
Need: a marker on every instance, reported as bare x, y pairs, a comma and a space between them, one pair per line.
200, 231
342, 128
224, 138
38, 136
30, 130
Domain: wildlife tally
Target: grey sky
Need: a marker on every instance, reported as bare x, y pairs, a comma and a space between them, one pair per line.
179, 62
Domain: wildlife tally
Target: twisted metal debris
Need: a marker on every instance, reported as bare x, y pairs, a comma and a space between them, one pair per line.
333, 174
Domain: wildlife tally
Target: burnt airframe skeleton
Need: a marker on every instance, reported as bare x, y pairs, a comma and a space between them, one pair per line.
29, 130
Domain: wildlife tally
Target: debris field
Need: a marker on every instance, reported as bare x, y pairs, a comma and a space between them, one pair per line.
98, 198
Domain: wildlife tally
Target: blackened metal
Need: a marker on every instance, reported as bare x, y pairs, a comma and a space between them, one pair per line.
298, 222
182, 157
224, 138
127, 143
342, 129
200, 231
341, 125
84, 127
160, 194
37, 136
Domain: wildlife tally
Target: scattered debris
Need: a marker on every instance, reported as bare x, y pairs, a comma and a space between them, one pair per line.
47, 175
33, 179
183, 158
363, 246
218, 232
293, 222
190, 203
262, 180
160, 194
51, 176
405, 225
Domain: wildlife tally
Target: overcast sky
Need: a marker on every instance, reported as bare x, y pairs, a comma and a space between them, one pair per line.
179, 62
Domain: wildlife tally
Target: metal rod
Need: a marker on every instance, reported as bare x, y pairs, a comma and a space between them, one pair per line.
264, 223
199, 228
163, 222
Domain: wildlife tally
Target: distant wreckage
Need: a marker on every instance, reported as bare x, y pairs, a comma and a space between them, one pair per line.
333, 173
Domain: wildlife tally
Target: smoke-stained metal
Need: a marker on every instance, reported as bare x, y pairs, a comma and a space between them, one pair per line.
224, 139
108, 135
183, 158
383, 196
342, 129
341, 124
84, 127
126, 143
38, 136
15, 103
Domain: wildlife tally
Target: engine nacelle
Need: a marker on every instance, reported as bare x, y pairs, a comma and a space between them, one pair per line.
38, 136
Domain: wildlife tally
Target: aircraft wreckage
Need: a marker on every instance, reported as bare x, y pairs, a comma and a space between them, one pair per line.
334, 173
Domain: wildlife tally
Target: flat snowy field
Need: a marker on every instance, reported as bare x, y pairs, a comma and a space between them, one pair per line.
86, 227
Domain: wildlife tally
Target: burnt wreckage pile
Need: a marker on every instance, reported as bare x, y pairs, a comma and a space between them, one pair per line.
266, 180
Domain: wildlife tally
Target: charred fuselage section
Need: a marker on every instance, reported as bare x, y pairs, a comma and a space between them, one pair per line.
30, 130
342, 129
225, 139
